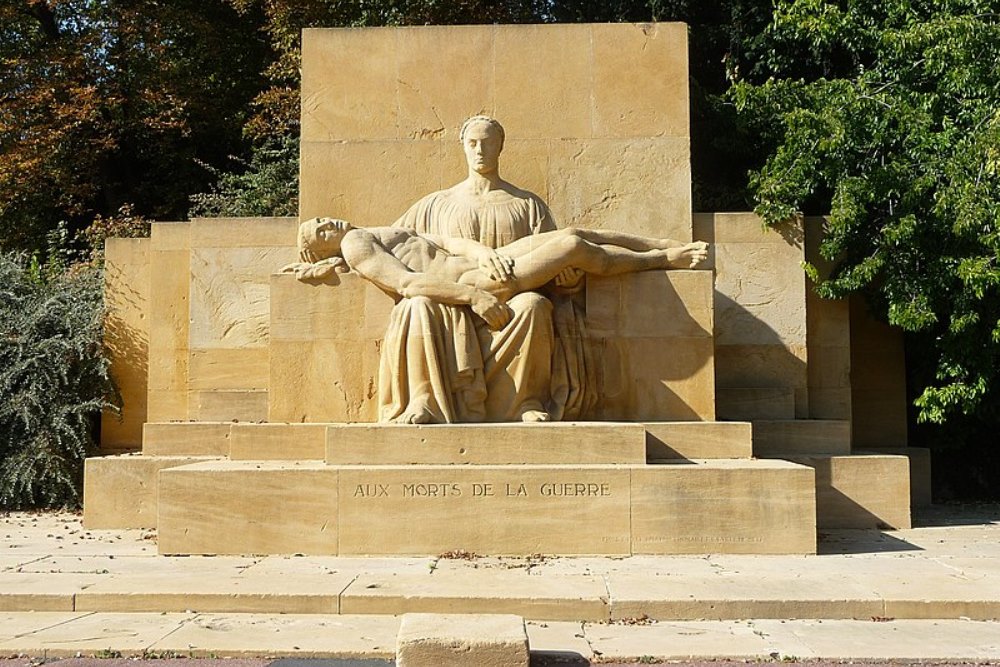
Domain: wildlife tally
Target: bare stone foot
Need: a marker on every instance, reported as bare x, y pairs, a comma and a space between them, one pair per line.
414, 416
535, 416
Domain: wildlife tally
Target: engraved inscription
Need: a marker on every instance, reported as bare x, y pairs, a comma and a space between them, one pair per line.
484, 490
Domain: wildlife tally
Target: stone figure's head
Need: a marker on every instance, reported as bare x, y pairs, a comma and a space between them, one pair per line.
482, 140
320, 238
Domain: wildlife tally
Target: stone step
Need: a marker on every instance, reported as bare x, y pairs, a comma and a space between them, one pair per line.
489, 444
204, 438
698, 440
753, 403
801, 437
861, 491
571, 443
947, 570
711, 506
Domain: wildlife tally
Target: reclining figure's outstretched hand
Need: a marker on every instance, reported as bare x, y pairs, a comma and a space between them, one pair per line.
692, 254
316, 271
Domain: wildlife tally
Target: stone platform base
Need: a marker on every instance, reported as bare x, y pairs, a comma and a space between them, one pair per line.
721, 506
588, 488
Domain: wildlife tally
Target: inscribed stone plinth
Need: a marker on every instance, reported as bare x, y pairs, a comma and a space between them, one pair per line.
240, 507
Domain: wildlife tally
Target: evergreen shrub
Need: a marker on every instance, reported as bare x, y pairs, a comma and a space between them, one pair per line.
54, 378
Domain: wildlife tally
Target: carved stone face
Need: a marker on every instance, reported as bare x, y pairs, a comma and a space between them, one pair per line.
326, 236
482, 145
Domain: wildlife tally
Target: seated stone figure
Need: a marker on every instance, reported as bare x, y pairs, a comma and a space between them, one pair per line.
534, 368
462, 272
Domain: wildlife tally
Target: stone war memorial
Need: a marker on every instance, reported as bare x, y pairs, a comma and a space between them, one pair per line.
496, 326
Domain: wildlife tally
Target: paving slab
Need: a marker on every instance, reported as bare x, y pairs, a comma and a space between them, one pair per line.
558, 640
923, 640
373, 637
62, 533
139, 565
734, 596
128, 634
213, 592
690, 640
14, 624
477, 592
299, 635
321, 565
16, 561
649, 565
978, 540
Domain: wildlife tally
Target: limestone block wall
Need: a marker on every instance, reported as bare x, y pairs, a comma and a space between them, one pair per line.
829, 339
878, 380
169, 270
126, 338
651, 334
324, 342
231, 261
596, 118
760, 317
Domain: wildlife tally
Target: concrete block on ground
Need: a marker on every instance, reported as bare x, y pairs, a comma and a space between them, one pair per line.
801, 437
456, 640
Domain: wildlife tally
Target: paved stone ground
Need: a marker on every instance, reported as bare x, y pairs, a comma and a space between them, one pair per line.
535, 662
901, 596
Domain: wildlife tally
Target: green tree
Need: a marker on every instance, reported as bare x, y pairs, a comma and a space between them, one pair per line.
885, 113
108, 102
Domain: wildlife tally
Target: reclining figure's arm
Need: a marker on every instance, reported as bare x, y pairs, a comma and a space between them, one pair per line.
366, 255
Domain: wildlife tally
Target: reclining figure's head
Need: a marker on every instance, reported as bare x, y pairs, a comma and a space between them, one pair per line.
320, 238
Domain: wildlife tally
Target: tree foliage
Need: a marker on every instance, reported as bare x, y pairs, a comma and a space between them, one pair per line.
108, 102
886, 114
267, 185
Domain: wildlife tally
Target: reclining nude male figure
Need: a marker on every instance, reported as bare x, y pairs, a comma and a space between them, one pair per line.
459, 271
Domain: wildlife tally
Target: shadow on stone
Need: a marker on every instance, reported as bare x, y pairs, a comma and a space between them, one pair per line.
965, 514
558, 659
844, 541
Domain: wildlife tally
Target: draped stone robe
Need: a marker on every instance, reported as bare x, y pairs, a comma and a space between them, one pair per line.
445, 362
